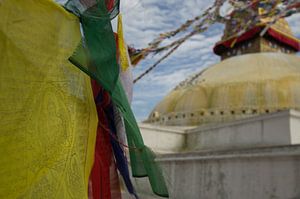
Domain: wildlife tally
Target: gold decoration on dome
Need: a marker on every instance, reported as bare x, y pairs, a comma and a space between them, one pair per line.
255, 43
236, 88
257, 13
267, 15
265, 78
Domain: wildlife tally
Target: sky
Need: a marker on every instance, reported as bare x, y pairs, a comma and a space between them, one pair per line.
143, 20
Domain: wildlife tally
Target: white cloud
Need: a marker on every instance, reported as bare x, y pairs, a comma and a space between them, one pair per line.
142, 23
294, 22
146, 19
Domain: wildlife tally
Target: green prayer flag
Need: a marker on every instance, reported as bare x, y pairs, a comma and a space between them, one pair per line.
96, 55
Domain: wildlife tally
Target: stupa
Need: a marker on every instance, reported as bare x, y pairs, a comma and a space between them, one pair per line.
233, 130
257, 75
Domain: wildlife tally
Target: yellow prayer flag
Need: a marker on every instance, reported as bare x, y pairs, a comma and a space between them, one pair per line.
124, 61
48, 118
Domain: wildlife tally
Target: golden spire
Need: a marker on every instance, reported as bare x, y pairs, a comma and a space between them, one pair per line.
251, 41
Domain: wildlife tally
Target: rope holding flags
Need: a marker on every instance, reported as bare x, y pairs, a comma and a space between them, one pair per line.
96, 55
253, 12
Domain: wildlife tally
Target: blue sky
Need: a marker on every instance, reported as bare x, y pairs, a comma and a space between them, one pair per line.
144, 20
